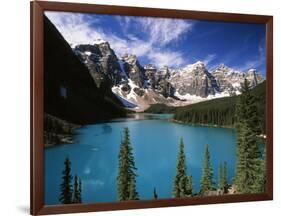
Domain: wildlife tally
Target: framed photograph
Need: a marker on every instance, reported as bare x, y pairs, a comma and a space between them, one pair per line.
143, 107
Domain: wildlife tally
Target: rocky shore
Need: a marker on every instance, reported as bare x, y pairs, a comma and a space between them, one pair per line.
57, 131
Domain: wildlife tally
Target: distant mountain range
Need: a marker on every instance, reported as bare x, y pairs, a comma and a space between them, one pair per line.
139, 86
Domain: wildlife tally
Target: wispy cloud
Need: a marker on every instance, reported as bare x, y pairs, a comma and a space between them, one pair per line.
77, 28
209, 58
163, 31
161, 58
74, 28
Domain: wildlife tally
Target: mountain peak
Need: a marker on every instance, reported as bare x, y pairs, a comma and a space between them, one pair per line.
190, 67
223, 67
129, 58
199, 63
133, 79
252, 70
99, 41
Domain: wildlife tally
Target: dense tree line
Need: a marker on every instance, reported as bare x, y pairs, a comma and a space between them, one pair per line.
221, 111
211, 115
160, 109
71, 192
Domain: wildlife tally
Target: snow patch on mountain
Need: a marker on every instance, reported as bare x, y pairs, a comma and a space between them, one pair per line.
126, 103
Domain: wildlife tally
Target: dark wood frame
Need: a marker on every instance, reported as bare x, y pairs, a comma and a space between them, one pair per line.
37, 146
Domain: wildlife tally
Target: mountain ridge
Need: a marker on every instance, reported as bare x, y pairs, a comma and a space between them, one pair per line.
143, 85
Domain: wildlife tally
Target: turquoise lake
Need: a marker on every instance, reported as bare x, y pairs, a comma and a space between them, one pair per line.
155, 141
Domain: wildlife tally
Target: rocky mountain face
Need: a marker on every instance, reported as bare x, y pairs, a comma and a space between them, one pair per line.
229, 79
139, 86
194, 80
133, 69
102, 63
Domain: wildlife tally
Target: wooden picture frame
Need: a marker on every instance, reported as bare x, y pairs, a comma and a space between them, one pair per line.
37, 146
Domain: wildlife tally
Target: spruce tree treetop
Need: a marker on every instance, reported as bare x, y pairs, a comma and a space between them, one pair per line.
181, 169
66, 185
206, 182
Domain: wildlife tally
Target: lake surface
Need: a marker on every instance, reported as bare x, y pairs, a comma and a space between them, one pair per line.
155, 141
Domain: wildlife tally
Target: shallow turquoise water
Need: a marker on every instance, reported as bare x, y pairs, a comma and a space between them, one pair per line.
155, 142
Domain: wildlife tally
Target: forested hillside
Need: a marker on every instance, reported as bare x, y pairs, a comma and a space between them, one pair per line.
160, 109
221, 111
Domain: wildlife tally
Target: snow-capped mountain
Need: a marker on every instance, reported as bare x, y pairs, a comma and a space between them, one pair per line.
139, 86
195, 80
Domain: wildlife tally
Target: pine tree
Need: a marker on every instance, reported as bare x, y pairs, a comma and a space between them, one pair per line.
181, 170
225, 177
186, 186
66, 187
133, 194
155, 195
260, 184
80, 191
222, 183
206, 182
182, 182
77, 190
126, 179
248, 155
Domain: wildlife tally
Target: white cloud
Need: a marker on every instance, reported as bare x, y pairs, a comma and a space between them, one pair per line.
166, 58
77, 28
74, 28
163, 31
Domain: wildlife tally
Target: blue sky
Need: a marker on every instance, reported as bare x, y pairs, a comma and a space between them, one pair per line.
172, 42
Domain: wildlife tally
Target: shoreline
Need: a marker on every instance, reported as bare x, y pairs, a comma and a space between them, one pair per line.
262, 136
200, 124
